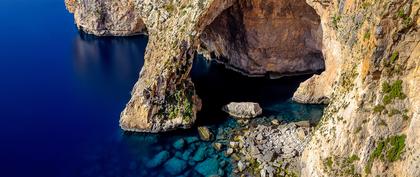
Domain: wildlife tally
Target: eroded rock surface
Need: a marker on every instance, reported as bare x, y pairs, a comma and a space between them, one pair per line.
107, 17
372, 75
259, 37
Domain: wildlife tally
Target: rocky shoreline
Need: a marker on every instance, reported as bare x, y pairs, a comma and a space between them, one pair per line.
269, 149
264, 146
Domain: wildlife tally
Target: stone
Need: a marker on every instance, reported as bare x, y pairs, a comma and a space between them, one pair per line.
178, 154
221, 173
200, 154
187, 154
175, 166
259, 137
158, 159
222, 163
205, 133
263, 173
233, 144
268, 156
301, 134
179, 144
217, 146
235, 157
241, 166
229, 152
275, 122
243, 110
192, 163
303, 124
208, 167
191, 139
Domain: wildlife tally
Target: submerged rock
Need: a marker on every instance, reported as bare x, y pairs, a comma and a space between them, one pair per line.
175, 166
208, 167
179, 144
187, 154
200, 154
217, 146
244, 110
205, 133
158, 159
191, 139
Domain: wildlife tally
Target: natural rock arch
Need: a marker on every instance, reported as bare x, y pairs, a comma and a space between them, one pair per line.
266, 37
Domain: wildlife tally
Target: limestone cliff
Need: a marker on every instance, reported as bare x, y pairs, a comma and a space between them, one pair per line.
372, 77
260, 37
370, 50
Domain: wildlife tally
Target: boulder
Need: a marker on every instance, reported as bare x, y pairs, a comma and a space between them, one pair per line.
208, 167
191, 139
179, 144
301, 134
304, 123
229, 151
200, 154
244, 110
158, 159
241, 166
175, 166
217, 146
275, 122
205, 133
187, 154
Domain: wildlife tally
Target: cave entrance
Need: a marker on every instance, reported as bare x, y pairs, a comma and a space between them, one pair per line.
266, 38
218, 86
269, 48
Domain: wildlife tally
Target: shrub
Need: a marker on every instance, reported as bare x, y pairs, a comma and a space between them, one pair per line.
389, 150
335, 20
367, 35
394, 57
352, 158
378, 108
328, 162
392, 91
397, 144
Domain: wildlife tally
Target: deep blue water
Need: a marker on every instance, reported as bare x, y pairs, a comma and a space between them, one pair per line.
62, 92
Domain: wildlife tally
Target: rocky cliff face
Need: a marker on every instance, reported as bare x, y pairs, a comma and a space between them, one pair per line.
372, 72
275, 37
371, 125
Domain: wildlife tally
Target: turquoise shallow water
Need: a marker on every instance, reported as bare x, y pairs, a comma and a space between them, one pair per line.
62, 93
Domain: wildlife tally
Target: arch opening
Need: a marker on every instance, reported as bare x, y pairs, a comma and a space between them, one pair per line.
273, 38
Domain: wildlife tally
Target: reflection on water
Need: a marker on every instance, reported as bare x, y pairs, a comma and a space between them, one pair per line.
108, 59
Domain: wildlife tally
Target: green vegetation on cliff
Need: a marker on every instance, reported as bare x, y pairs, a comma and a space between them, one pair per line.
388, 150
392, 91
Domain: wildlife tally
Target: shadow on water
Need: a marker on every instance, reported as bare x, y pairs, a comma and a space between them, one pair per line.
116, 58
217, 86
